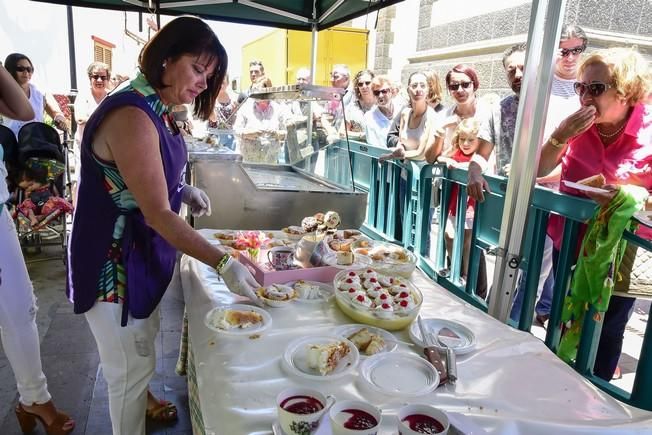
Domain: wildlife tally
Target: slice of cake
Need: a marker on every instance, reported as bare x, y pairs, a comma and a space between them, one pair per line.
325, 357
376, 345
344, 258
239, 319
597, 180
361, 338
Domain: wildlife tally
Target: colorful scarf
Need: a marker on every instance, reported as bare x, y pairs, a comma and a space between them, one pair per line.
600, 256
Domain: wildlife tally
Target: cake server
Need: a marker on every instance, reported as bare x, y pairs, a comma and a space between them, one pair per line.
432, 353
451, 358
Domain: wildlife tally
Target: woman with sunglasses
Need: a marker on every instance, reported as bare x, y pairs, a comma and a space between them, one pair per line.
99, 75
21, 68
363, 102
462, 83
610, 134
18, 330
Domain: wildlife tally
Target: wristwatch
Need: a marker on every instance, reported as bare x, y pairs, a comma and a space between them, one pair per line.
555, 143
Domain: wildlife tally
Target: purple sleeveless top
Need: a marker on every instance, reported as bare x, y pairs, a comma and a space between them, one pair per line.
147, 258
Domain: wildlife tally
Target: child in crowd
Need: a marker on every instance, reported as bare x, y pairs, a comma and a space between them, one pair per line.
464, 143
42, 202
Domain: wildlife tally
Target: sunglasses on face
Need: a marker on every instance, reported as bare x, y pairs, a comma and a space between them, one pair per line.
99, 77
381, 91
565, 52
29, 69
455, 86
594, 89
361, 84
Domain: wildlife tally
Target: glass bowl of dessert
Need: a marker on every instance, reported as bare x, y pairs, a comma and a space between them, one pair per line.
387, 301
387, 257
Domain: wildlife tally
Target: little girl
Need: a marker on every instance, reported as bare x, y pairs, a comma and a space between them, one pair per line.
464, 144
41, 199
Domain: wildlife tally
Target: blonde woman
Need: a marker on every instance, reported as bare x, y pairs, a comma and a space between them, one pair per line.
610, 134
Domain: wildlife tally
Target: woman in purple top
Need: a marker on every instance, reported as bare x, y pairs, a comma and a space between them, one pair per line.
126, 229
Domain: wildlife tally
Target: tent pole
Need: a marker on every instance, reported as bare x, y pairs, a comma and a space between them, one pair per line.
71, 51
543, 39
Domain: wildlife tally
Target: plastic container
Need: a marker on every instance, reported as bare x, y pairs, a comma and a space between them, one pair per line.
369, 316
387, 265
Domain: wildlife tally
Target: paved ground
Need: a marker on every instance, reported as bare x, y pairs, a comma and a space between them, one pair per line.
71, 362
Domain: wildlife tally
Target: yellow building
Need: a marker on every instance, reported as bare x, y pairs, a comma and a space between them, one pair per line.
283, 52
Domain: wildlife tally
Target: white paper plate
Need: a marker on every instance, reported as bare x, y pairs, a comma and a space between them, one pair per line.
296, 362
399, 374
583, 188
461, 346
212, 318
359, 261
644, 217
346, 330
325, 292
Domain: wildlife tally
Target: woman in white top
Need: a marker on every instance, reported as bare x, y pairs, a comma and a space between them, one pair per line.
21, 68
416, 132
417, 124
99, 75
18, 331
363, 102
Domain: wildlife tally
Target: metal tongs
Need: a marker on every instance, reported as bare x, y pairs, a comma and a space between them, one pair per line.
444, 361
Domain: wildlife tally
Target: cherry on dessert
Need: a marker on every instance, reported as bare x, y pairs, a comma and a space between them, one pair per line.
360, 298
386, 306
383, 296
403, 295
373, 280
404, 304
352, 290
351, 273
349, 281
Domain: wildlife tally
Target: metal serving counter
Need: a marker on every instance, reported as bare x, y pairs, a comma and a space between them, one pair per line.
245, 196
250, 194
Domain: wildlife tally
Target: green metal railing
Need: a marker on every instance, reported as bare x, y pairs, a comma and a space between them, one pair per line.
382, 180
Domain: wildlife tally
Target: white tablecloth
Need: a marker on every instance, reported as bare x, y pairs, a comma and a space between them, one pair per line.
510, 384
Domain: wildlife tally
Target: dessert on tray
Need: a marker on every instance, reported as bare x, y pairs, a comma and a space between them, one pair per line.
235, 319
367, 342
325, 357
277, 295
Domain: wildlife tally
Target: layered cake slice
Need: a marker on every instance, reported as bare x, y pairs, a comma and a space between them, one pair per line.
325, 357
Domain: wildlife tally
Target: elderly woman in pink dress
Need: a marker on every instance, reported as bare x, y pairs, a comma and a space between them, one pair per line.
611, 134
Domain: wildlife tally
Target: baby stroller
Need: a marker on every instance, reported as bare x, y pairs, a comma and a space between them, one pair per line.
43, 221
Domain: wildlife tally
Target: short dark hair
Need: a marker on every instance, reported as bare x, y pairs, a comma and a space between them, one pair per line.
11, 62
466, 70
185, 36
513, 49
570, 31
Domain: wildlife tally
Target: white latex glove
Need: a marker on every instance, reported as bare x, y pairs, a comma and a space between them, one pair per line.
239, 280
197, 200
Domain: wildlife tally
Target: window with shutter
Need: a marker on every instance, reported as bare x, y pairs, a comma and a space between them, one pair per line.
103, 51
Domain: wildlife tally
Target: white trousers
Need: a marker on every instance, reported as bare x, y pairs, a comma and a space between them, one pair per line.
128, 361
18, 317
